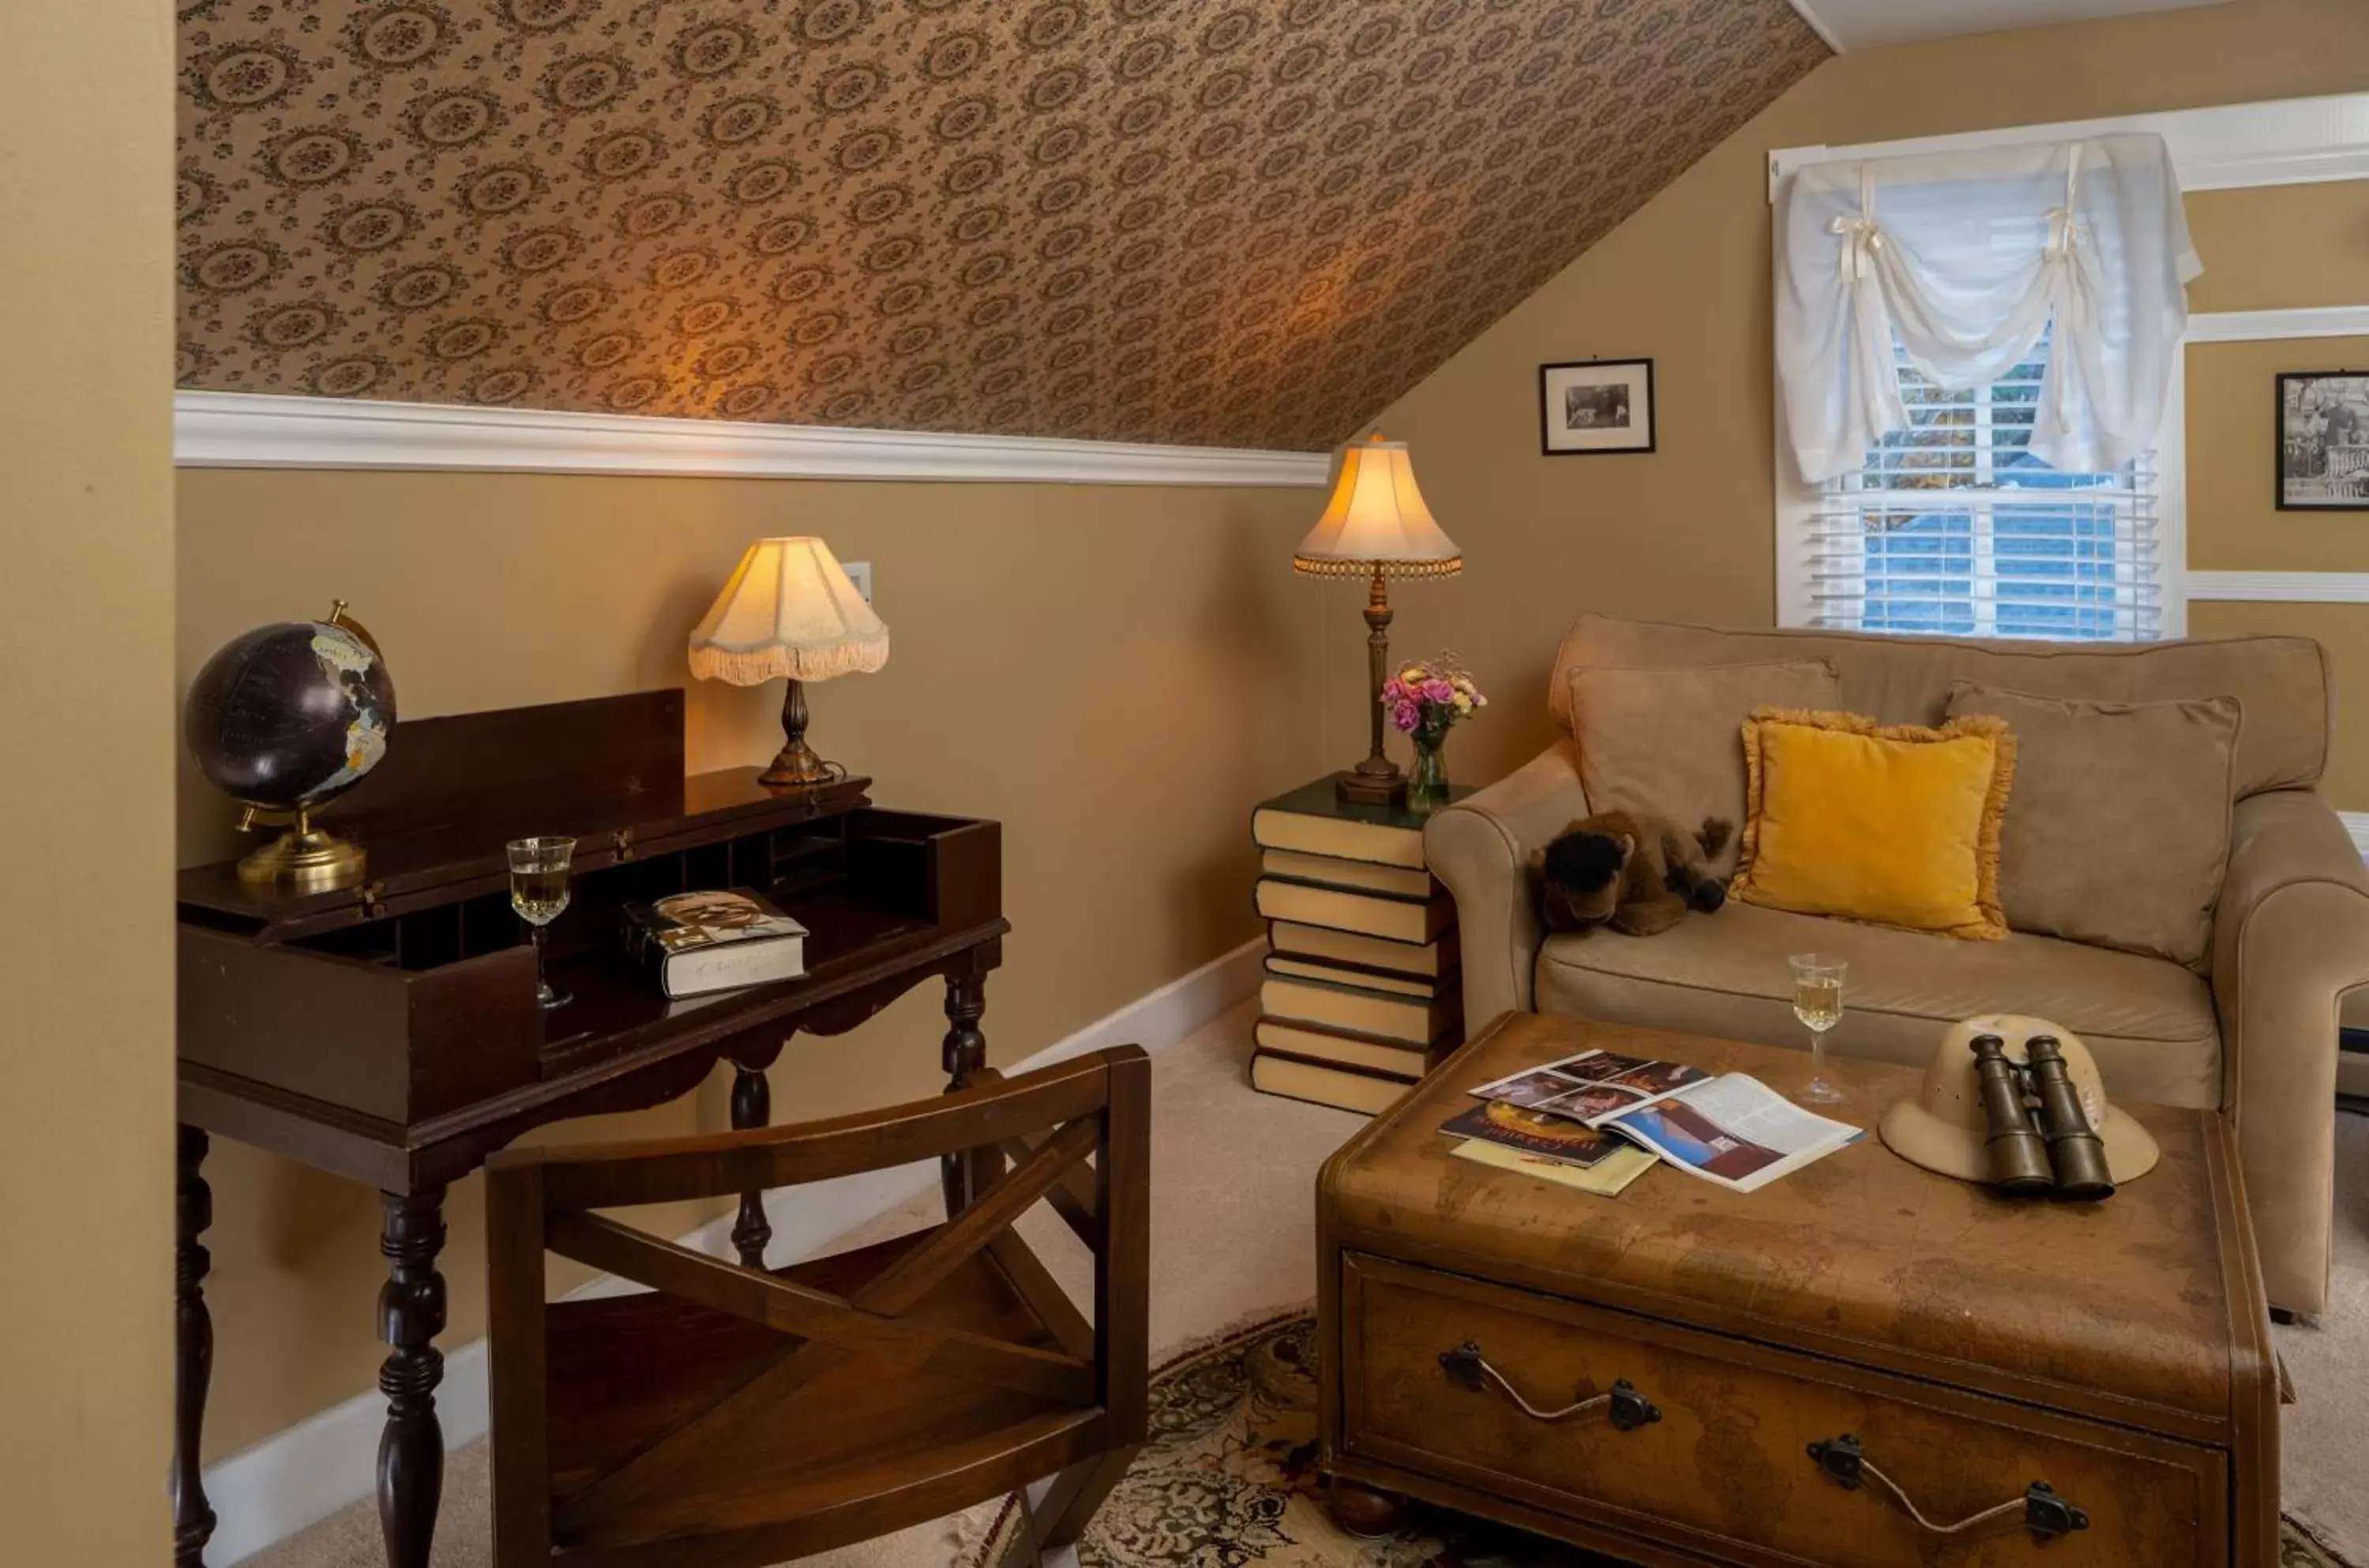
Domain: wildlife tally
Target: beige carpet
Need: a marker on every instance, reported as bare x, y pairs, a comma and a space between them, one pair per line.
1233, 1241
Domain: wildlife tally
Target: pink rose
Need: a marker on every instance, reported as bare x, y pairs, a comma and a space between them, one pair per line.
1437, 690
1405, 716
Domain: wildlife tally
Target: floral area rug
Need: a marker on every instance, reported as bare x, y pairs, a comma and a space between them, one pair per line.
1228, 1480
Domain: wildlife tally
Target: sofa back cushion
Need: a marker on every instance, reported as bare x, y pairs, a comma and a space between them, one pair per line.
2282, 682
1670, 742
2118, 832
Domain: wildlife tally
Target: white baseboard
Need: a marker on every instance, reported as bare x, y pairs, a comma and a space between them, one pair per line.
298, 1477
263, 1495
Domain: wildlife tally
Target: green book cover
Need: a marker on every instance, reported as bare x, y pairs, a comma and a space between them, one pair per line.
1322, 798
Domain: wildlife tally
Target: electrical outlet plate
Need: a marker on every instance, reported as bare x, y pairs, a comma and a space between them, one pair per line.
860, 574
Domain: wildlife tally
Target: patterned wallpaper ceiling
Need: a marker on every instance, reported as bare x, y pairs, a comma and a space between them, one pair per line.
1237, 223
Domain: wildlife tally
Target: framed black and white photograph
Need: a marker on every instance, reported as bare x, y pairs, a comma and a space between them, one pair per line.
2323, 440
1597, 406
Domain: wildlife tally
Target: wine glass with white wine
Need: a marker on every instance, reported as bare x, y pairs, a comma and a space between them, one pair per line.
539, 892
1818, 1004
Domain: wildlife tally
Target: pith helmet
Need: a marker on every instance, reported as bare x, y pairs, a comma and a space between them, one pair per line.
1943, 1128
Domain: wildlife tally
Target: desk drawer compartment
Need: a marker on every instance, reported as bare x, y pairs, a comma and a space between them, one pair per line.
1707, 1441
371, 1036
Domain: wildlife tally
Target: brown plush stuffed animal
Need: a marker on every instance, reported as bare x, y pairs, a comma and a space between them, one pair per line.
1636, 873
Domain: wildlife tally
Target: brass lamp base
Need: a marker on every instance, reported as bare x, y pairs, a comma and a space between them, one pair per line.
1372, 788
796, 766
1376, 781
309, 859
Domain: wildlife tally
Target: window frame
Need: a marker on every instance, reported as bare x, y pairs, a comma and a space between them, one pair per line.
1798, 504
2215, 147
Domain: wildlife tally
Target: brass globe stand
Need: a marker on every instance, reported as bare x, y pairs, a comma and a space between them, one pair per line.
309, 859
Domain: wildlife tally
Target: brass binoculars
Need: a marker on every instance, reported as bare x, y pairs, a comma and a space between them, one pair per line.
2040, 1139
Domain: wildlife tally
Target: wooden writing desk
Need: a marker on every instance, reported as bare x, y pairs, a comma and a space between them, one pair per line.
388, 1032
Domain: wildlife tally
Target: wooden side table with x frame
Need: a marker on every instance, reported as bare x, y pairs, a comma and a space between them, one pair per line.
388, 1032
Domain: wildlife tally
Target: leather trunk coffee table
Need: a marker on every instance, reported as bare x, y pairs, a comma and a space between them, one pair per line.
1861, 1364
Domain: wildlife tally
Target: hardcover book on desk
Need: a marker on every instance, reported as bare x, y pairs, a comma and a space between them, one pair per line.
691, 944
1361, 993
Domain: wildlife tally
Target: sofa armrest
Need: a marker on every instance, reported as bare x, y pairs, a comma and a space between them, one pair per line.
1480, 847
2290, 937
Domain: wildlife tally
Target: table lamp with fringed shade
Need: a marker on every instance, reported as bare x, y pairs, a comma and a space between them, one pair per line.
789, 611
1377, 526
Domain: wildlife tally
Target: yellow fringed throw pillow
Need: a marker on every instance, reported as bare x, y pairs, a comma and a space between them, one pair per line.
1893, 824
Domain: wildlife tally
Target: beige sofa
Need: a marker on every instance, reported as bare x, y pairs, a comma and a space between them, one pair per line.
2255, 1035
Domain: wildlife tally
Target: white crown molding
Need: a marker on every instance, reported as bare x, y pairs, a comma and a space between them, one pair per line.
1851, 26
230, 430
1819, 25
2279, 588
2283, 142
2256, 325
298, 1477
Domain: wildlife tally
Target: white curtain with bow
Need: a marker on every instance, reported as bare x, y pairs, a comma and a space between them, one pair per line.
1970, 257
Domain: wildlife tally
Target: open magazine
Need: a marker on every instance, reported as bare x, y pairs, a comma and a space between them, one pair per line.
1593, 1087
1733, 1129
1549, 1147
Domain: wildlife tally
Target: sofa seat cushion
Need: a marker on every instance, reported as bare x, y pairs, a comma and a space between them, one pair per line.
2148, 1022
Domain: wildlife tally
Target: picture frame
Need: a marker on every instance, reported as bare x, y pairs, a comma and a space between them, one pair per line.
1596, 407
2321, 440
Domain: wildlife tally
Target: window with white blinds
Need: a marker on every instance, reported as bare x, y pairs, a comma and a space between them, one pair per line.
1953, 527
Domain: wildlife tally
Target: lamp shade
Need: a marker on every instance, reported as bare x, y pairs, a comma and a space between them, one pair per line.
1377, 521
789, 610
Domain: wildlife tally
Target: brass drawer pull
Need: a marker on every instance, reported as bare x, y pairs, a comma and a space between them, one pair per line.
1624, 1407
2045, 1515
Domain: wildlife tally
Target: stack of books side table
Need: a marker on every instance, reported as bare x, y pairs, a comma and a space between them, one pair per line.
1361, 995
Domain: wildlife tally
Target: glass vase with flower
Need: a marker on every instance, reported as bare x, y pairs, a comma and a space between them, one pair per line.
1423, 699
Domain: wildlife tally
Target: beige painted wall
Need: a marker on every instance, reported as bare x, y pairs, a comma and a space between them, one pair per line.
2278, 246
86, 688
1116, 673
2266, 249
1686, 533
2233, 522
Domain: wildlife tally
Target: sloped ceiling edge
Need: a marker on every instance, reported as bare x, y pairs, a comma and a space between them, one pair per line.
1246, 226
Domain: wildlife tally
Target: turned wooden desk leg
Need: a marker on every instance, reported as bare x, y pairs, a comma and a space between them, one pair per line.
193, 1346
966, 1053
753, 1107
411, 1314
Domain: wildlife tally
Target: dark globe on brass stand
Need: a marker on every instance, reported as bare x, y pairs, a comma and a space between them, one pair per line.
283, 720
